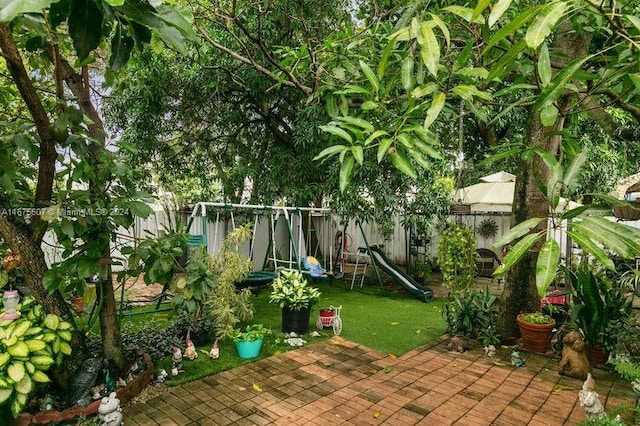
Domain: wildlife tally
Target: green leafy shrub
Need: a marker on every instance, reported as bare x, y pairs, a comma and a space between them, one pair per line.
29, 346
473, 314
597, 302
457, 257
155, 341
536, 318
251, 332
291, 289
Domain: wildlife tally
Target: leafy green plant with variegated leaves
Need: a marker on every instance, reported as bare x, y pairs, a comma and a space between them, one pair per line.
596, 236
29, 346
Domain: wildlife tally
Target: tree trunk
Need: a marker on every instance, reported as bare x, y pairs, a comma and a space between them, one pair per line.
520, 293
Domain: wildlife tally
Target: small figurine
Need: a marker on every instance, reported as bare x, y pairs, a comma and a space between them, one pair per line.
176, 357
138, 365
174, 369
109, 411
109, 381
47, 403
590, 399
214, 353
190, 350
490, 351
457, 344
516, 359
161, 376
98, 392
574, 361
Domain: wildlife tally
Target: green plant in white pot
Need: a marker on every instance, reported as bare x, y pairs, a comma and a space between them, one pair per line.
292, 292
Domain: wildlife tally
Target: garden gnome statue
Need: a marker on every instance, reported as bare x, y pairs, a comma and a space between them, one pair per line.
176, 360
516, 359
190, 350
214, 353
109, 411
590, 399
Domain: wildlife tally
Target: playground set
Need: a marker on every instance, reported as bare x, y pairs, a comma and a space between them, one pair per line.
301, 238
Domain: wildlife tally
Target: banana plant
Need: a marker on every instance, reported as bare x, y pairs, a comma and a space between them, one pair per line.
596, 236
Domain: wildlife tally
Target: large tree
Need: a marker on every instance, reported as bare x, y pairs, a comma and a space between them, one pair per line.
57, 173
541, 61
247, 103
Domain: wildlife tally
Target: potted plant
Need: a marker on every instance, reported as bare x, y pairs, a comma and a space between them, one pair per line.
597, 302
535, 329
249, 342
596, 236
292, 292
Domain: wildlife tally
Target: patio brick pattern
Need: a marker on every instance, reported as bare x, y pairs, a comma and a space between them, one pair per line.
341, 382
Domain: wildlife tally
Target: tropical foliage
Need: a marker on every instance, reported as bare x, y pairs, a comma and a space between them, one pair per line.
292, 290
30, 345
457, 257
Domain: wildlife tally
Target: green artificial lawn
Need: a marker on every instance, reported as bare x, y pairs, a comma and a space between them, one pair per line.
394, 324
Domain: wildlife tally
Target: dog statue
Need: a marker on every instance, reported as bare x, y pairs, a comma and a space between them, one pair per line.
574, 362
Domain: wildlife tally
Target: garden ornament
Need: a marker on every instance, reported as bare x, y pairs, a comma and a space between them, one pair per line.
98, 391
176, 356
190, 350
47, 403
457, 344
109, 382
83, 380
590, 399
214, 353
174, 369
138, 365
490, 351
574, 361
516, 359
109, 411
295, 341
161, 376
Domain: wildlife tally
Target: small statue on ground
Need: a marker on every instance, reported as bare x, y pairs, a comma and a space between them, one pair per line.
137, 367
109, 411
83, 380
590, 399
457, 344
516, 359
161, 376
574, 361
190, 350
109, 382
214, 353
490, 351
176, 360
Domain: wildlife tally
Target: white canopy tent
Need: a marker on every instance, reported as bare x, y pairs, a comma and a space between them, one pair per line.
493, 194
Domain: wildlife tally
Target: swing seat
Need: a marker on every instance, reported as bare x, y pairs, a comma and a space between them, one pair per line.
313, 267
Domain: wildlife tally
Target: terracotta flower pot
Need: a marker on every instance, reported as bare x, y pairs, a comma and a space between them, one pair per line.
78, 304
598, 355
535, 337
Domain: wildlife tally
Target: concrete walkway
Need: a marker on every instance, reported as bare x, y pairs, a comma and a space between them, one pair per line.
340, 382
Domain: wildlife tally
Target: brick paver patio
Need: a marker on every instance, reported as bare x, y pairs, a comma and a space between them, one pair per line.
340, 382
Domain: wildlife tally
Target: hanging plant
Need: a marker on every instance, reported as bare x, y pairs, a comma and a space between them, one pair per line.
457, 257
488, 228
